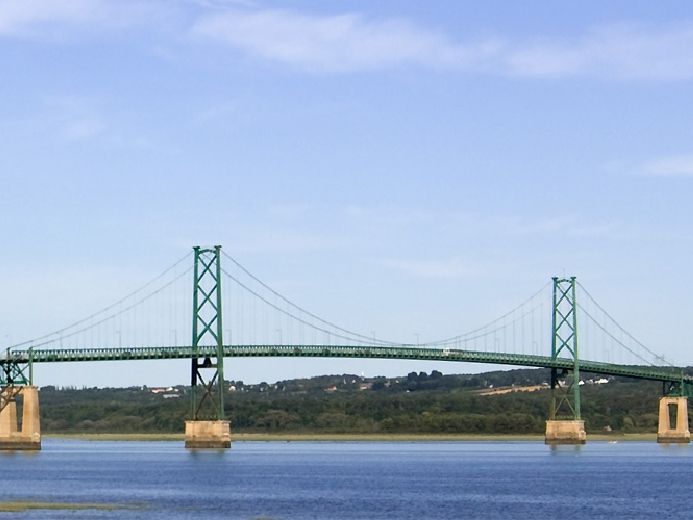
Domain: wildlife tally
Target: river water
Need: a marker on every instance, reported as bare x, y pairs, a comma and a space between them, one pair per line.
355, 480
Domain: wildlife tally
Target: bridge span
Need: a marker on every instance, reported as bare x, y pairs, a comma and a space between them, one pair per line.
401, 352
207, 426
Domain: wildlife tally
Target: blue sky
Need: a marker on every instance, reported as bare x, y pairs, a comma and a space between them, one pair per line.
399, 166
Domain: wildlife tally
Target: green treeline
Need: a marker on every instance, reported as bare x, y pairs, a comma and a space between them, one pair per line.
417, 403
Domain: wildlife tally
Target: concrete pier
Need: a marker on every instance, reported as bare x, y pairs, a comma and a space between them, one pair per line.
678, 431
565, 432
29, 438
8, 416
207, 434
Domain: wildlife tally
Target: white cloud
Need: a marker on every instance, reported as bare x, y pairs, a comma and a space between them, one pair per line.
677, 165
17, 16
336, 43
284, 241
82, 129
290, 211
629, 51
68, 118
380, 217
46, 18
75, 120
571, 225
219, 112
444, 269
474, 224
350, 42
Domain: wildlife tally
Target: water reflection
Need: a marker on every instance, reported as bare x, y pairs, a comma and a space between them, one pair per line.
562, 449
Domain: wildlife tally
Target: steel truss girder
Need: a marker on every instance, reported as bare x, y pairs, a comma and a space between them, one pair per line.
15, 373
402, 352
16, 369
679, 388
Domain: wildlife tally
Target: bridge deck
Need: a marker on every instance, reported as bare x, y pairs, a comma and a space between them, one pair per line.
402, 352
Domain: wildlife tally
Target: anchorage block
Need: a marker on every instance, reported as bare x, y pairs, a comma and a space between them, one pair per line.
676, 430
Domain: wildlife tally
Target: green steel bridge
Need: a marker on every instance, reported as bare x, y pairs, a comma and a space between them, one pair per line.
208, 349
403, 352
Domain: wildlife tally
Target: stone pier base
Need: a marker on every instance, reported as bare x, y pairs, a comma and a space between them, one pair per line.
11, 438
677, 432
207, 434
565, 432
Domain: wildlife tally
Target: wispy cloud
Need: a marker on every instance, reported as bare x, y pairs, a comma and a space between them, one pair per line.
47, 18
73, 119
388, 216
351, 42
475, 224
336, 43
677, 165
61, 118
444, 269
290, 211
82, 129
570, 225
219, 112
628, 51
286, 241
76, 120
18, 16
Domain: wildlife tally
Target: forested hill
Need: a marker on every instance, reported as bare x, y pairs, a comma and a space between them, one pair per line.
499, 402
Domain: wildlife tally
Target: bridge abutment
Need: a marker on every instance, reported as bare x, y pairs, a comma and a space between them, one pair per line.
673, 420
207, 434
565, 432
29, 437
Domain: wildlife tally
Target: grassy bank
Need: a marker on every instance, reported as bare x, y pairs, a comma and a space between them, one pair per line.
22, 506
264, 437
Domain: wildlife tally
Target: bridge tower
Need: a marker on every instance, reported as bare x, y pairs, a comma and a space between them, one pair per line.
565, 425
207, 426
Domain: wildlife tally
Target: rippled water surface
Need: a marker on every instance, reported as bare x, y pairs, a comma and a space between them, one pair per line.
356, 480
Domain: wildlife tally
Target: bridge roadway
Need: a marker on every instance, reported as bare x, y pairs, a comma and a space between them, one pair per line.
403, 352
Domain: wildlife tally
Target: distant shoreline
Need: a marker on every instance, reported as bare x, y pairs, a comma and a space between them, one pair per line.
328, 437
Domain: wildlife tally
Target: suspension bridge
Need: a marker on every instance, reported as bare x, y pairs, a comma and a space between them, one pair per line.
259, 321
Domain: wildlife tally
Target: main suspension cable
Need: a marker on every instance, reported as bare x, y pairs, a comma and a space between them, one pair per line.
642, 345
490, 323
105, 309
369, 339
608, 333
301, 320
120, 312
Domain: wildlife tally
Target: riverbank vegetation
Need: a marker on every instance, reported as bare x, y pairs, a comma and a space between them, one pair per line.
513, 402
